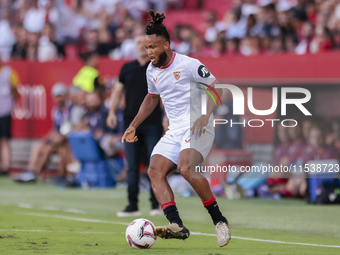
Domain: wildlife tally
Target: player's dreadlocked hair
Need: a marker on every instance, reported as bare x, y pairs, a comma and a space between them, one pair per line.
155, 25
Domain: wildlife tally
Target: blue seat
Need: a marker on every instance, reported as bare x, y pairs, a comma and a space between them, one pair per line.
95, 170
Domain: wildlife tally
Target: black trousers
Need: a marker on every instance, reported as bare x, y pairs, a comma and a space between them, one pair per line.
148, 136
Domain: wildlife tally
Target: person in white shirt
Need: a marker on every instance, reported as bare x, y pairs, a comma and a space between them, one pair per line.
34, 19
214, 27
190, 135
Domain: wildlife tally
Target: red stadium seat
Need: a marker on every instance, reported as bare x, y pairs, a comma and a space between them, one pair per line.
186, 17
219, 6
190, 4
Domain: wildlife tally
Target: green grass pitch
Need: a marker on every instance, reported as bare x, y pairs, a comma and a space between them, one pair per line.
42, 219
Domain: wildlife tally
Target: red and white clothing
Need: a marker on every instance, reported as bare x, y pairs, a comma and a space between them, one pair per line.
177, 84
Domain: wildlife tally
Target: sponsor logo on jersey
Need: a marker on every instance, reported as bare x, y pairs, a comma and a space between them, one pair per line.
155, 80
203, 71
177, 75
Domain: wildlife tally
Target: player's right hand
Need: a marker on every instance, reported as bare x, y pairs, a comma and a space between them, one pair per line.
129, 135
111, 120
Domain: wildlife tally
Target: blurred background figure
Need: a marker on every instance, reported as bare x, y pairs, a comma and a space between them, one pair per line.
132, 86
55, 142
94, 120
317, 148
214, 27
298, 144
88, 76
19, 49
9, 82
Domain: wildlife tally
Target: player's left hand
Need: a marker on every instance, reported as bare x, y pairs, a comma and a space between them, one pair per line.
199, 126
129, 135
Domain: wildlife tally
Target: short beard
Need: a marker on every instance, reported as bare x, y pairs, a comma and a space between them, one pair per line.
162, 58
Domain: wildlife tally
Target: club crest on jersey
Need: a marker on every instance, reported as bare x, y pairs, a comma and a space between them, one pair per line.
177, 75
203, 71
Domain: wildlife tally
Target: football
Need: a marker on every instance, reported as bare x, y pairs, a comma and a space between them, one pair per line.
140, 234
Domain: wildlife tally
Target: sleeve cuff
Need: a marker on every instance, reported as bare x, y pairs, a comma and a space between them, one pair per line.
153, 94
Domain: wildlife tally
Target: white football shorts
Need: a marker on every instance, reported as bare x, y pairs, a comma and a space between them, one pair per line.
174, 141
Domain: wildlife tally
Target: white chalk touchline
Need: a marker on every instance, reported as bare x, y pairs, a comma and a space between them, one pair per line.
59, 231
269, 241
74, 218
193, 233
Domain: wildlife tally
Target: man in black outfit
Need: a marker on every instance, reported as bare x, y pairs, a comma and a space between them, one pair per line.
132, 81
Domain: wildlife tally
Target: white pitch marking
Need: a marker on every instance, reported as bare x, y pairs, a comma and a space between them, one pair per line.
193, 233
73, 210
74, 218
269, 241
50, 208
59, 231
23, 205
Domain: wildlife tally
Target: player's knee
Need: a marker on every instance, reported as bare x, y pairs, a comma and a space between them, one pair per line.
153, 173
184, 170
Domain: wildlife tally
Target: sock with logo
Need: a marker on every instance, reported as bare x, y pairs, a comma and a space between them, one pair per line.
215, 213
171, 213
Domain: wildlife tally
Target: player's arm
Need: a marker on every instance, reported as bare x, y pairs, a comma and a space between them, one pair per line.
111, 120
199, 126
14, 80
149, 104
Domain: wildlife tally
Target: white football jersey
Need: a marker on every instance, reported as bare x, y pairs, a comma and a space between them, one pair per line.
175, 83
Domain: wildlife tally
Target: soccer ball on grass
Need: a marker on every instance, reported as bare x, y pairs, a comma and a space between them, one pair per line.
140, 234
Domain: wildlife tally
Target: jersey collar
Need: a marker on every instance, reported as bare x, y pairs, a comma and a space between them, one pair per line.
172, 60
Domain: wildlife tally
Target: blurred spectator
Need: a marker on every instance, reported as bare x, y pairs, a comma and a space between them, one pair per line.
135, 8
275, 46
126, 46
307, 34
48, 31
132, 86
250, 46
7, 38
233, 46
214, 27
184, 35
317, 148
97, 38
336, 134
9, 82
281, 156
94, 120
55, 142
322, 40
46, 50
198, 48
270, 26
35, 16
298, 145
253, 27
19, 49
77, 111
218, 47
306, 125
88, 76
287, 31
277, 181
237, 26
32, 46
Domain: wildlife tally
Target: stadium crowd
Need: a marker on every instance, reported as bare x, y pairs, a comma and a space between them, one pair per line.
47, 30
